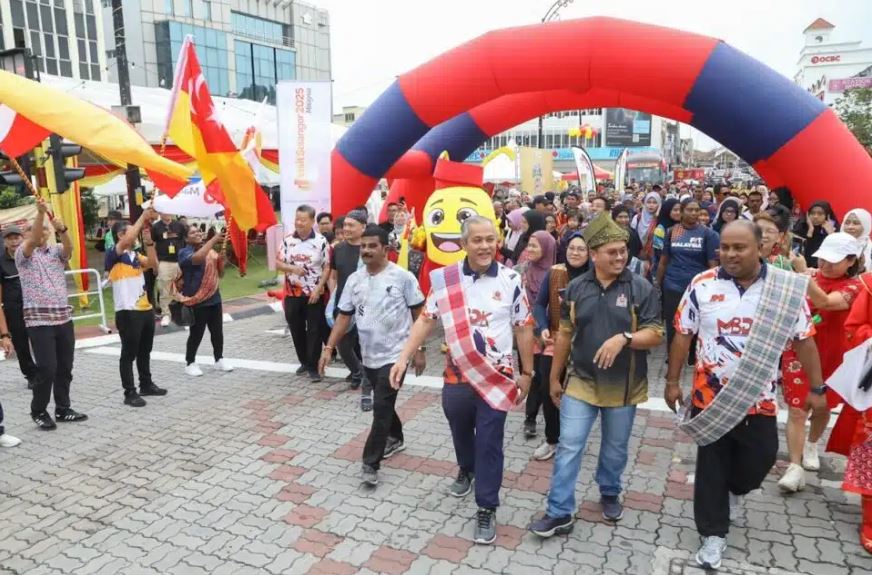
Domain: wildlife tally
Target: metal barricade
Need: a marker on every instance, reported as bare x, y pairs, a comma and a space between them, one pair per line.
94, 276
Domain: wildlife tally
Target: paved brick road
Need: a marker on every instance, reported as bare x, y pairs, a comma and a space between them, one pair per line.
257, 472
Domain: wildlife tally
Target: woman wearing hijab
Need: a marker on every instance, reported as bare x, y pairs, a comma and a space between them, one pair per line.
858, 223
728, 211
621, 215
532, 221
539, 257
546, 311
515, 221
645, 222
669, 215
820, 221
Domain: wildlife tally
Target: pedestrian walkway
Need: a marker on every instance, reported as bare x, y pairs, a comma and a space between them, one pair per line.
256, 471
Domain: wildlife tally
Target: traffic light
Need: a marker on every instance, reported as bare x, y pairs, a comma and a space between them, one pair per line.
8, 175
58, 153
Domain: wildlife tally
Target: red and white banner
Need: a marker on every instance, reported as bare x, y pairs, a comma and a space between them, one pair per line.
18, 135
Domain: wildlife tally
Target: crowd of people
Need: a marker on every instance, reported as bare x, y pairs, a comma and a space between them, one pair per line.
556, 305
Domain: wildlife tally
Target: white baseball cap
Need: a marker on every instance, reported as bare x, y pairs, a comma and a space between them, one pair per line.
836, 247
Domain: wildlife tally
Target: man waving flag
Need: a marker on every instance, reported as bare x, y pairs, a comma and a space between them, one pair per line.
194, 126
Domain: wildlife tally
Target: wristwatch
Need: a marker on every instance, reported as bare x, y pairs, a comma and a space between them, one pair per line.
821, 390
628, 335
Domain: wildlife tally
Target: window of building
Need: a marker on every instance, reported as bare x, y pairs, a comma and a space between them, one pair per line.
169, 9
349, 117
188, 8
211, 51
259, 68
260, 29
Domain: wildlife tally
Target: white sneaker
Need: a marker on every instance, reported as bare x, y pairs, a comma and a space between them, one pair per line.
7, 440
793, 479
810, 459
165, 321
544, 452
736, 503
193, 370
222, 365
709, 554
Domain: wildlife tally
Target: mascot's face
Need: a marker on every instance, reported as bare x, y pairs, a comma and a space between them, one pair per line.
445, 211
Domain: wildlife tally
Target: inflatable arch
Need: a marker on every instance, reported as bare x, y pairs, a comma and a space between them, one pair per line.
505, 77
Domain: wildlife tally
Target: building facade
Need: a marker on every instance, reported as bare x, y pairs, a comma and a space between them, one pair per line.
65, 36
349, 115
827, 66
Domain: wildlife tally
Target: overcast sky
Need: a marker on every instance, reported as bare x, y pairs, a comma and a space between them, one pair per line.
373, 41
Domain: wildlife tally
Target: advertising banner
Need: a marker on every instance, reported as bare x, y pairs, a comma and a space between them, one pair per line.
621, 171
537, 174
843, 84
304, 116
192, 202
627, 128
697, 174
586, 171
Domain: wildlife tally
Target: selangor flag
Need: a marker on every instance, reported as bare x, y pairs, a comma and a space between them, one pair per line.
18, 135
194, 127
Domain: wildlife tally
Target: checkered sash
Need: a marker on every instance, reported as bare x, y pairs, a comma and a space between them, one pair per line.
496, 389
782, 298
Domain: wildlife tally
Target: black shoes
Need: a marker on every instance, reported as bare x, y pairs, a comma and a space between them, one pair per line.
301, 370
530, 429
152, 390
314, 376
133, 400
43, 421
70, 415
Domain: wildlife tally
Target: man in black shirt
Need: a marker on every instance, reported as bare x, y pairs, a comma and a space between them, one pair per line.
169, 239
344, 260
13, 305
325, 226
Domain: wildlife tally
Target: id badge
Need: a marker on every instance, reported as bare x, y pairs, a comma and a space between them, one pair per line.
172, 249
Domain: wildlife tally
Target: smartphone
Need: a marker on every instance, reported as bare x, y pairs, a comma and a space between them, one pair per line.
796, 245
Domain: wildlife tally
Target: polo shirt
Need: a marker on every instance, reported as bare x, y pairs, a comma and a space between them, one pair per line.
345, 259
594, 314
169, 240
309, 253
496, 303
128, 281
690, 250
192, 277
44, 285
721, 313
10, 281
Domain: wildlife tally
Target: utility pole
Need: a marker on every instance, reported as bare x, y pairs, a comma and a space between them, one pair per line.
134, 183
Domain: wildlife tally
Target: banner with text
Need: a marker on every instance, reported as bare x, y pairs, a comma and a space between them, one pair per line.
304, 117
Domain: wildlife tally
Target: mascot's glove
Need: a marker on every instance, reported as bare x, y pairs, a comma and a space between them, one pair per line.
419, 238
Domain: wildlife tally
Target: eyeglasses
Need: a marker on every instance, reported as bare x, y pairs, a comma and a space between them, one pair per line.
576, 250
617, 253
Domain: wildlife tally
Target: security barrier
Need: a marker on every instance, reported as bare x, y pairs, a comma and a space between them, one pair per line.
94, 277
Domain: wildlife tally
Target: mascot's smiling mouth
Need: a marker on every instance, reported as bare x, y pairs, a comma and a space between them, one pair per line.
448, 243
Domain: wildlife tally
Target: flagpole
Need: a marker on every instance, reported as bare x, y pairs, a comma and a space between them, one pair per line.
28, 184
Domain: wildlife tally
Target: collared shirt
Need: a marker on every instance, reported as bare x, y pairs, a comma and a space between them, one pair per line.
44, 285
309, 253
380, 305
169, 240
128, 281
496, 303
10, 281
721, 313
192, 277
594, 314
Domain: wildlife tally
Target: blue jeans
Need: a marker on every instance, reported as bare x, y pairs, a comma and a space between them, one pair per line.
576, 420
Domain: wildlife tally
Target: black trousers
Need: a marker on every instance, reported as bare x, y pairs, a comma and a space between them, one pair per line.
305, 321
211, 316
736, 463
150, 278
385, 421
136, 329
2, 429
539, 397
53, 349
671, 300
20, 341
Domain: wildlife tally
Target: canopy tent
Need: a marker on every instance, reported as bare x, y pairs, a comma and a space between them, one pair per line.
599, 173
501, 169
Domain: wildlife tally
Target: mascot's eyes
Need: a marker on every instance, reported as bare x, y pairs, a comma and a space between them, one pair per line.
464, 213
437, 217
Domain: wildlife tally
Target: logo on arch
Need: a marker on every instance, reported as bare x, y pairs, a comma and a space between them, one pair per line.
826, 59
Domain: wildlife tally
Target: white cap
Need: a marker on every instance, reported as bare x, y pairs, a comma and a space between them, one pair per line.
836, 247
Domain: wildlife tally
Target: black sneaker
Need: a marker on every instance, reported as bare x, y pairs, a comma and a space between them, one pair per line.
69, 415
43, 421
462, 485
349, 378
152, 390
529, 429
548, 526
301, 370
133, 400
314, 376
392, 446
612, 508
353, 384
366, 402
485, 526
369, 475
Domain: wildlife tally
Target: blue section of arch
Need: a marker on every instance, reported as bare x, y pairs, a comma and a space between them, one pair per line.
459, 136
748, 107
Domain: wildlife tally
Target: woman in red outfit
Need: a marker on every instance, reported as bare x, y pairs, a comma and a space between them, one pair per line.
837, 279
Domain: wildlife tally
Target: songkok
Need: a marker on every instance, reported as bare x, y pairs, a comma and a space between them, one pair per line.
358, 216
603, 230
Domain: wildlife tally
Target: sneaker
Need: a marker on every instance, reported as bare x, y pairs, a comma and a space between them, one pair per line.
315, 377
353, 384
152, 390
7, 440
301, 370
810, 459
165, 321
393, 446
736, 504
793, 479
544, 452
709, 554
222, 365
612, 508
193, 370
366, 402
462, 485
70, 415
369, 475
485, 526
134, 400
43, 421
529, 429
548, 526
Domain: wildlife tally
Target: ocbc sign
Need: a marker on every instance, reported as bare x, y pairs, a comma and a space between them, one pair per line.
826, 59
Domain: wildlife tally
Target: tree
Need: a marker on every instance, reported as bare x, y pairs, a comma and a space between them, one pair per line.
855, 109
90, 208
11, 198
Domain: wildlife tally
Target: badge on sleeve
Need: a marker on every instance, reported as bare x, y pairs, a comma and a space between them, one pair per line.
621, 301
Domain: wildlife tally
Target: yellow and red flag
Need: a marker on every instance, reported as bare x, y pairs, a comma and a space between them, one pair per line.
194, 126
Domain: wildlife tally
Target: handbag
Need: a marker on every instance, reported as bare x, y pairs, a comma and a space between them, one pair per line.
182, 315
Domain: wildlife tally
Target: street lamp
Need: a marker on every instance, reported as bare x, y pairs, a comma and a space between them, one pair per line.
553, 13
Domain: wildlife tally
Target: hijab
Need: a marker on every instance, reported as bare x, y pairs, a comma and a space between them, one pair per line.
514, 217
573, 271
719, 218
535, 220
645, 218
663, 218
864, 240
535, 271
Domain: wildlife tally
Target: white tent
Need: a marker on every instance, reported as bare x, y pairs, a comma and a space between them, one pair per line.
501, 169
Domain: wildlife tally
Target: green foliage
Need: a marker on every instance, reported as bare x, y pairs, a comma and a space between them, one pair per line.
855, 109
10, 198
90, 208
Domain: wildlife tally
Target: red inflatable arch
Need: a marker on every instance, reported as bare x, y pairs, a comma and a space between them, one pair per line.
502, 78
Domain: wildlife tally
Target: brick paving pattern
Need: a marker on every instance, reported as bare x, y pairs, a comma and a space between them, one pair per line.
257, 472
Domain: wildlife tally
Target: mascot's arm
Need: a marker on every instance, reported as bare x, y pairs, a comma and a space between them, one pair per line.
419, 238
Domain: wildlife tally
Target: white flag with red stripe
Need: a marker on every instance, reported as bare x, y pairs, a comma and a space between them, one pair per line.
18, 135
